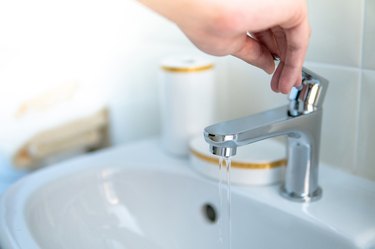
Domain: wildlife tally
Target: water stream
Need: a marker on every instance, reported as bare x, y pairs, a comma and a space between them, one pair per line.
225, 228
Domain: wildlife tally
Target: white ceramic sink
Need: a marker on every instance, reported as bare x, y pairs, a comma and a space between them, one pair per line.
136, 197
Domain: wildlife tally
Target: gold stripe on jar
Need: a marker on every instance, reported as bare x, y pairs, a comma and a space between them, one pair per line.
187, 69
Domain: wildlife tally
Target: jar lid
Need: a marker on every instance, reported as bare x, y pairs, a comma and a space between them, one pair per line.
186, 64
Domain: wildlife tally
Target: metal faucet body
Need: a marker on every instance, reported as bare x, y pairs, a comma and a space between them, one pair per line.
300, 121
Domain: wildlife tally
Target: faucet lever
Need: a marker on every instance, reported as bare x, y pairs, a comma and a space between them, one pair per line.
309, 95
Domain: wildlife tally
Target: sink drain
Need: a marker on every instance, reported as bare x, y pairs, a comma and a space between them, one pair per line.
209, 212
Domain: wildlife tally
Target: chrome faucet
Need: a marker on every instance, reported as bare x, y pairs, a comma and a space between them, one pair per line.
300, 121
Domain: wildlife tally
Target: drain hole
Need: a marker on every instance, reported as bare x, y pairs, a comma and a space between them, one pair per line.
209, 212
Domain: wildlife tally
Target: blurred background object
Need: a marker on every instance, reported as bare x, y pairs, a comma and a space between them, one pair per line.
187, 97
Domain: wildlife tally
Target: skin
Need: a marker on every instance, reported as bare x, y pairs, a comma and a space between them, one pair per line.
252, 30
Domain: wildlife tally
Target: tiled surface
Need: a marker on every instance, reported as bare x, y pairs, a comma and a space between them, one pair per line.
248, 90
369, 36
134, 119
336, 31
366, 144
340, 115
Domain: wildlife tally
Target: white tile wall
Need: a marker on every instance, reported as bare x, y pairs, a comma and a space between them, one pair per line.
369, 36
134, 119
336, 31
366, 143
338, 144
247, 90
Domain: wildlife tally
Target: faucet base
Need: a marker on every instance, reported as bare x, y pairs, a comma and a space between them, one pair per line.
314, 196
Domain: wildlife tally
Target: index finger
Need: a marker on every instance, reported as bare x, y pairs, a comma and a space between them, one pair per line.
297, 43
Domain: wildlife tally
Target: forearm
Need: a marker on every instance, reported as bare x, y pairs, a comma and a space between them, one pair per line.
182, 11
241, 15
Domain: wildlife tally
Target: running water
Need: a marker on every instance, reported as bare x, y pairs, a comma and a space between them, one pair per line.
221, 239
225, 208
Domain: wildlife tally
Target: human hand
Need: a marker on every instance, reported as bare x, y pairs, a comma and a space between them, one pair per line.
254, 31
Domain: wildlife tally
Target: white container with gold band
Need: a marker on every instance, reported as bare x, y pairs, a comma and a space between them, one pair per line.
187, 101
260, 163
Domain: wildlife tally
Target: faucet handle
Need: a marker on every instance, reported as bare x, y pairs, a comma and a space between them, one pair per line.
309, 96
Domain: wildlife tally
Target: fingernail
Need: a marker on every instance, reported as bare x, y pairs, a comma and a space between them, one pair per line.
275, 57
298, 86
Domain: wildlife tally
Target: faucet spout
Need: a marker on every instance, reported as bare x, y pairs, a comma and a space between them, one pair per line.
242, 131
300, 121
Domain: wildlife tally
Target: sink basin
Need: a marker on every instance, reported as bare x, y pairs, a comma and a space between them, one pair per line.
121, 198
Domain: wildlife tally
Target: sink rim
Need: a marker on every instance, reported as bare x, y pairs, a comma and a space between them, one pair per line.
14, 199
